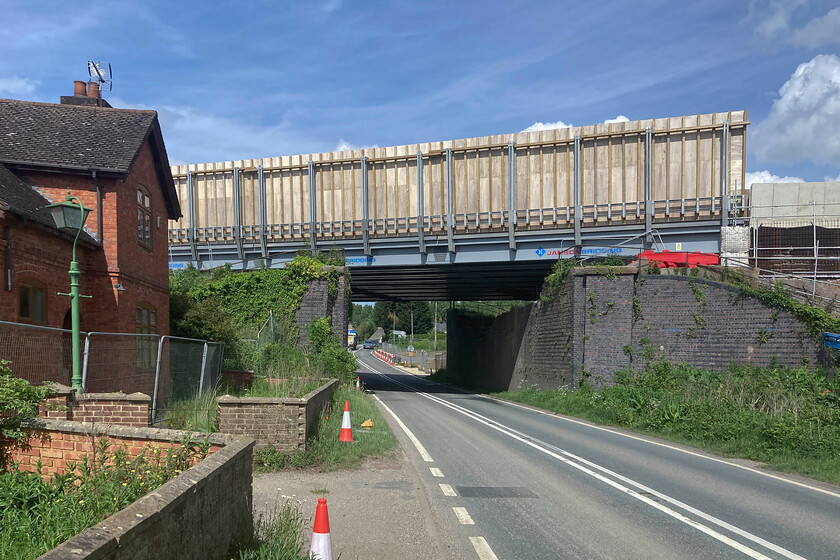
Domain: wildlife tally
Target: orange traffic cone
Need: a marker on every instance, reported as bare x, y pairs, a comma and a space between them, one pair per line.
357, 383
321, 548
346, 431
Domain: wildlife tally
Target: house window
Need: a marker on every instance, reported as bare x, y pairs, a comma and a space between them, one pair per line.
144, 218
145, 320
32, 302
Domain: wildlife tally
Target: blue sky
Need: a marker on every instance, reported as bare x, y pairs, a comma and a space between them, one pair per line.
236, 80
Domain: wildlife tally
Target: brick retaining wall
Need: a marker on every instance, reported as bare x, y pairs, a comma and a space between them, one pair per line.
283, 423
601, 322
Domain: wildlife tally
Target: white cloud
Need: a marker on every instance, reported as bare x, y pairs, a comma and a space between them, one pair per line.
819, 31
17, 86
560, 124
547, 126
804, 120
619, 118
776, 25
345, 146
829, 178
767, 177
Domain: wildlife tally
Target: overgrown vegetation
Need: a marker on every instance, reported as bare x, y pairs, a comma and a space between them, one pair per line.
19, 400
278, 536
221, 304
38, 513
788, 418
324, 452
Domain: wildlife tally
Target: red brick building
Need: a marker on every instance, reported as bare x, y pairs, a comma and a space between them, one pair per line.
115, 161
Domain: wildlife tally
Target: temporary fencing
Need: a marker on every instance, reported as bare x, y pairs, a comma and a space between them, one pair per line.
426, 361
167, 368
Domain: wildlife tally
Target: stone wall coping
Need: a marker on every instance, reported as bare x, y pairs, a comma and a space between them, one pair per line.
231, 400
115, 430
57, 390
129, 397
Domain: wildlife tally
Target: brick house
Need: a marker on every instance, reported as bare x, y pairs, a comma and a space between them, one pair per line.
115, 161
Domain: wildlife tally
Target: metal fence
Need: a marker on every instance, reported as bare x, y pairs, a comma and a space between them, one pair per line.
167, 368
426, 361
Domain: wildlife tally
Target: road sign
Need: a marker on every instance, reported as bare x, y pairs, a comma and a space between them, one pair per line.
832, 340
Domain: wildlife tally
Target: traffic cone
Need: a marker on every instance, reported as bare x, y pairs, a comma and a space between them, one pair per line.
357, 383
321, 548
346, 431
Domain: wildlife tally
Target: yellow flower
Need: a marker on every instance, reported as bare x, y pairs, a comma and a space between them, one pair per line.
125, 483
81, 501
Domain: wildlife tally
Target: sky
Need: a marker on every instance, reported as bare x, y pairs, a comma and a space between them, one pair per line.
240, 80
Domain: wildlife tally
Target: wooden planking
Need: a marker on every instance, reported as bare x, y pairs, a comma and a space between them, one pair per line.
686, 159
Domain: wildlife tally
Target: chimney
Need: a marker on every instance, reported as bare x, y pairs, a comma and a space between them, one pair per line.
93, 90
79, 88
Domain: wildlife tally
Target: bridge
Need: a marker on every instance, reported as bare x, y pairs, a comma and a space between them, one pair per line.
478, 218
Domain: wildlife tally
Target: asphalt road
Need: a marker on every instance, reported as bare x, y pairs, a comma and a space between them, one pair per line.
510, 482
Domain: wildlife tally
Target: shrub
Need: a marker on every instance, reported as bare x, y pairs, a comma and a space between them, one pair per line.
18, 401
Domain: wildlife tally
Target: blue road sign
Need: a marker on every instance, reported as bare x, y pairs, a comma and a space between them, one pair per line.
832, 340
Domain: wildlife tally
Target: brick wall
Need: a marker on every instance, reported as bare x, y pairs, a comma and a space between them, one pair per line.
598, 324
317, 302
103, 408
285, 424
196, 515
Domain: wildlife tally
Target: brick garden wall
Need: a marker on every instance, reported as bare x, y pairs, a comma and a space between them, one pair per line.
196, 515
597, 324
103, 408
285, 424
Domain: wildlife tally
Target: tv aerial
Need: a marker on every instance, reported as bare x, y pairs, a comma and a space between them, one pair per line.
101, 74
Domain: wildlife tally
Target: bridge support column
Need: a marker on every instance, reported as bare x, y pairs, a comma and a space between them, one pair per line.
312, 241
449, 214
510, 193
648, 187
365, 214
421, 210
237, 210
724, 175
578, 197
191, 198
263, 232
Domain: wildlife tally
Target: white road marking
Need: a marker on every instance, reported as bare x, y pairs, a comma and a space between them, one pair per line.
483, 549
462, 515
668, 446
578, 463
420, 449
447, 490
436, 472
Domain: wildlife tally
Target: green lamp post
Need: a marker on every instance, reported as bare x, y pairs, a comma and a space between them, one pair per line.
70, 215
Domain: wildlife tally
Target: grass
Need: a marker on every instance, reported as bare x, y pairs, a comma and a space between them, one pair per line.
425, 341
786, 418
37, 514
277, 537
324, 452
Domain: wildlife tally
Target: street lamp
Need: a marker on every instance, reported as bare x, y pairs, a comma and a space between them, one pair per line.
70, 215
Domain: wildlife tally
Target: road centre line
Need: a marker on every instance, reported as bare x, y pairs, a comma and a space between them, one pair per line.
447, 490
436, 472
420, 449
483, 549
666, 445
578, 463
463, 516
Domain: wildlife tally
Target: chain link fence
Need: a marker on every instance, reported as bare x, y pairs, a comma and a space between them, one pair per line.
167, 368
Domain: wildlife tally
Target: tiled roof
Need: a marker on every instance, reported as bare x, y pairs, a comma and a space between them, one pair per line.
71, 136
20, 199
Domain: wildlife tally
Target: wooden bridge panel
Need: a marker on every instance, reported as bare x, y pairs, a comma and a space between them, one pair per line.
686, 165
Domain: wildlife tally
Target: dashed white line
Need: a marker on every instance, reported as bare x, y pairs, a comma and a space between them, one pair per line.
462, 515
483, 549
436, 472
447, 490
420, 449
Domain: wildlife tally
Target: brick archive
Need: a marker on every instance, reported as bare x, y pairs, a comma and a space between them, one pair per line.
115, 161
